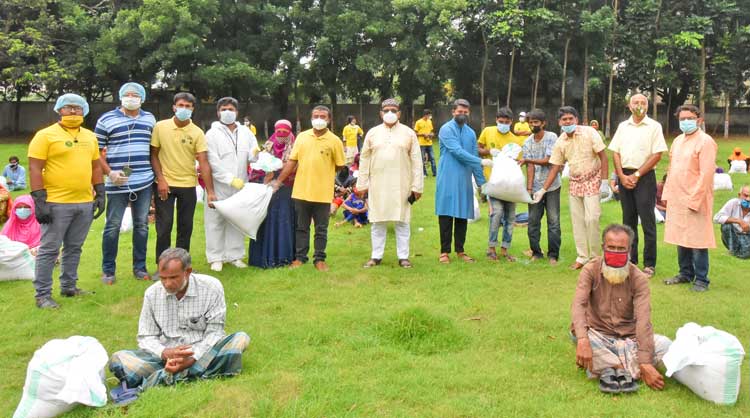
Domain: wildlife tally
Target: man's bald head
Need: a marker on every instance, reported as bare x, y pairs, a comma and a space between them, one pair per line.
745, 192
638, 99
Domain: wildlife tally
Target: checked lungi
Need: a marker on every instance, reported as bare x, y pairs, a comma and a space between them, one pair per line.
620, 352
141, 368
737, 244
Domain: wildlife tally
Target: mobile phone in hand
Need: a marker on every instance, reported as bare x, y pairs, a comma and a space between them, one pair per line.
411, 198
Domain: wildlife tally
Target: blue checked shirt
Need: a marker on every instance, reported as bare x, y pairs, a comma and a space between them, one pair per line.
128, 143
196, 320
537, 151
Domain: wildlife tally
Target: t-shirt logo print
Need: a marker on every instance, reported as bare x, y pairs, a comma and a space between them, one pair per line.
68, 144
187, 140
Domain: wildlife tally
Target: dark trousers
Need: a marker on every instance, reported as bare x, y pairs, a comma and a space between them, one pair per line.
693, 264
640, 202
428, 156
185, 199
318, 213
551, 204
452, 229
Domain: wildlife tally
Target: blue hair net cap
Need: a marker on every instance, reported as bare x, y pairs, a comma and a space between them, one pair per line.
135, 88
72, 99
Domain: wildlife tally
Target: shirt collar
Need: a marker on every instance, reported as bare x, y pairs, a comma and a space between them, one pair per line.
646, 121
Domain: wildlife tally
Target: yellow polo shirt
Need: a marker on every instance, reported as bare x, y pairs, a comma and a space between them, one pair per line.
350, 133
424, 127
177, 150
317, 158
491, 138
522, 127
68, 154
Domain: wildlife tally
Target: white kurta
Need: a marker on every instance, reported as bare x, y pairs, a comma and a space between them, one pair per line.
390, 168
228, 155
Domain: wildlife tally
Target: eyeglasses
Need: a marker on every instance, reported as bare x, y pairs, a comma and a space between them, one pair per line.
72, 109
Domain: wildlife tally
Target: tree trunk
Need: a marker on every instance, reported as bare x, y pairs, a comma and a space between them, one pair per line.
727, 101
17, 114
607, 130
586, 84
510, 76
565, 72
485, 58
703, 81
656, 77
669, 110
536, 85
298, 123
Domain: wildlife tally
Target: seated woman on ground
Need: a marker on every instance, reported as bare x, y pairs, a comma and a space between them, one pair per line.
22, 225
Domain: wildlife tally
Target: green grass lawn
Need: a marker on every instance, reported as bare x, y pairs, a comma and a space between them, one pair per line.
444, 341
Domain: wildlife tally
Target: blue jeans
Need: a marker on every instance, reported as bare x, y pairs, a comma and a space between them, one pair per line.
428, 155
551, 203
139, 201
693, 264
503, 213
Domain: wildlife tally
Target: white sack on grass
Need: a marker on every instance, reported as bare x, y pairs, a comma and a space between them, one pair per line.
565, 171
199, 193
247, 208
127, 220
62, 374
738, 167
722, 181
507, 181
605, 193
267, 162
477, 212
708, 361
16, 261
657, 215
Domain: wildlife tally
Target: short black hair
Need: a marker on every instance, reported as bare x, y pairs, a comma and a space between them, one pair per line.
228, 101
567, 110
537, 114
460, 102
12, 157
322, 108
183, 95
504, 112
688, 108
350, 118
619, 228
426, 112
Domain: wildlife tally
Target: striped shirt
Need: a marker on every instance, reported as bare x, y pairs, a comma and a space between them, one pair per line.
128, 142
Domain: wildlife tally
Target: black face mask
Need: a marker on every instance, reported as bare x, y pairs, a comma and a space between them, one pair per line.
461, 119
536, 129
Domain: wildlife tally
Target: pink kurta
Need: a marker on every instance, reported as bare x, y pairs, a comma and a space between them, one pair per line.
689, 191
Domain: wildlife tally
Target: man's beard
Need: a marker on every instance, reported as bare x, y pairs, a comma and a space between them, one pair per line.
615, 275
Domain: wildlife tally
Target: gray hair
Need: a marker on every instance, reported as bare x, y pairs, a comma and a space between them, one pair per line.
461, 102
619, 228
175, 253
224, 101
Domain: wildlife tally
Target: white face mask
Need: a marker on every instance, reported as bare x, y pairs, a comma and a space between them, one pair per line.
227, 117
390, 118
131, 103
319, 124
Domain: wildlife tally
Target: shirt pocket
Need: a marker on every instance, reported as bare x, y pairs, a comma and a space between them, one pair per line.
196, 323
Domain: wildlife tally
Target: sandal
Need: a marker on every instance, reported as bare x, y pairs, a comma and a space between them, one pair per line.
509, 257
649, 271
608, 382
466, 258
372, 263
405, 263
444, 258
122, 395
627, 384
677, 280
491, 255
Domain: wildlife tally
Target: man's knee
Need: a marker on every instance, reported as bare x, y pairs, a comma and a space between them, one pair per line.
238, 341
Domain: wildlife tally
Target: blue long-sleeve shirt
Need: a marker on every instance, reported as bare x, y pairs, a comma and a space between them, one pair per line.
17, 177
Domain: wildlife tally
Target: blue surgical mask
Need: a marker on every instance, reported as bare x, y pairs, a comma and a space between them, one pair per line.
504, 128
23, 213
688, 126
183, 113
569, 129
745, 204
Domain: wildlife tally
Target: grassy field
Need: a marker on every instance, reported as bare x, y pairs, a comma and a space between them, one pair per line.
452, 340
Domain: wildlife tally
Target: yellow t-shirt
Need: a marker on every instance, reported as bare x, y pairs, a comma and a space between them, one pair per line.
68, 154
424, 127
317, 158
350, 133
522, 127
177, 150
491, 138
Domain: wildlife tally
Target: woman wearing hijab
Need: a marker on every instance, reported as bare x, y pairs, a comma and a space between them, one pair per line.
22, 225
274, 245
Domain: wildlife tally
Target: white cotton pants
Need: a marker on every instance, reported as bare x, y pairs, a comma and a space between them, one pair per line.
224, 242
585, 212
378, 233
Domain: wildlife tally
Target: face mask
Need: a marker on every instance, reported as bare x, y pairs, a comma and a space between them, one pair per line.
738, 153
247, 123
522, 119
183, 113
353, 123
131, 103
390, 118
688, 126
72, 121
461, 119
569, 129
13, 165
227, 117
23, 213
504, 128
319, 124
745, 204
536, 129
638, 111
616, 259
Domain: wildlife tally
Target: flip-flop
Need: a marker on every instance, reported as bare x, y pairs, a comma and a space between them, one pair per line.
492, 256
608, 381
122, 395
627, 384
677, 280
444, 258
466, 258
510, 258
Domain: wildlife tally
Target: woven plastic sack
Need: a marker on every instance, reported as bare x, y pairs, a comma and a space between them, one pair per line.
247, 208
16, 261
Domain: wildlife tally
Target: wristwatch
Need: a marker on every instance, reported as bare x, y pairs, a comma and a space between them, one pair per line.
637, 174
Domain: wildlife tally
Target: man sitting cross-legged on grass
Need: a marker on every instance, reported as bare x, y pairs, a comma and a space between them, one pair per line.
181, 330
612, 319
